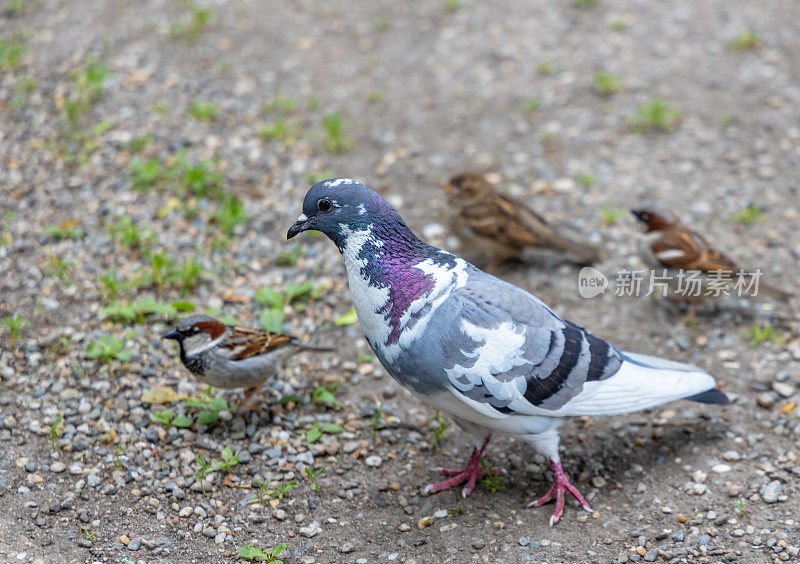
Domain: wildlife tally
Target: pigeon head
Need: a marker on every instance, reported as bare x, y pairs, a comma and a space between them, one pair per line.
340, 206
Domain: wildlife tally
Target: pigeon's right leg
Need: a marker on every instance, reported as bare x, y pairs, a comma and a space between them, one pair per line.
470, 474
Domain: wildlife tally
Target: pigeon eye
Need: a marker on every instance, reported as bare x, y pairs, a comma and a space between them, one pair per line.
324, 205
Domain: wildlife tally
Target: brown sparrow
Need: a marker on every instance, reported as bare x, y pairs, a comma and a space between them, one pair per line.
224, 356
668, 244
499, 227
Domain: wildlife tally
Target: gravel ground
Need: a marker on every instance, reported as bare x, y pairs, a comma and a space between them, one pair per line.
132, 130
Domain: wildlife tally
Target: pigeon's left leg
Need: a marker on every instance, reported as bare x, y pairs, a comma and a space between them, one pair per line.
547, 443
470, 474
561, 484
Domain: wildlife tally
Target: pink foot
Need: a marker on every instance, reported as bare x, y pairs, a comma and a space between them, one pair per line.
560, 485
470, 474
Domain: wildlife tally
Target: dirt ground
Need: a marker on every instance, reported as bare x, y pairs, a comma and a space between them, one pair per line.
135, 136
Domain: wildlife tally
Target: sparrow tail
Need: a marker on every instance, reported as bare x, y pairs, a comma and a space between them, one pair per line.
584, 254
314, 348
776, 293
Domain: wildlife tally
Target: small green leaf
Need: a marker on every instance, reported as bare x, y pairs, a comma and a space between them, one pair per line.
164, 416
314, 433
250, 551
287, 398
183, 306
182, 422
271, 320
332, 428
269, 297
207, 417
347, 319
218, 404
124, 356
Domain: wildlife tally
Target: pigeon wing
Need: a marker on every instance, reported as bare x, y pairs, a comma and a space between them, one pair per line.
509, 354
510, 351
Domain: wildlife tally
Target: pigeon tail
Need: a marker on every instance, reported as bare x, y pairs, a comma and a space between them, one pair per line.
711, 396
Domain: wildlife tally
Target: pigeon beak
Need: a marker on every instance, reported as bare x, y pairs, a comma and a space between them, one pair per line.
172, 334
299, 226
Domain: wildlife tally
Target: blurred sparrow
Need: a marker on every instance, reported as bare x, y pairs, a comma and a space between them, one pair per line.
499, 227
668, 244
224, 356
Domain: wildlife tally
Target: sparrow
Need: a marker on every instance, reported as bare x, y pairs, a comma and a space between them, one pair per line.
668, 244
500, 227
494, 357
225, 356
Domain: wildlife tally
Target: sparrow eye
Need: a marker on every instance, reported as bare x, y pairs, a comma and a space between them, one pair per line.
324, 206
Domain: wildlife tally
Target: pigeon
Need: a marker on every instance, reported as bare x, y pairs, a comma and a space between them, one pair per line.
668, 244
225, 356
489, 354
500, 227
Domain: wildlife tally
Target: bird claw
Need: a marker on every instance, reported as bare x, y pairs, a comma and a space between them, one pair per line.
560, 485
470, 474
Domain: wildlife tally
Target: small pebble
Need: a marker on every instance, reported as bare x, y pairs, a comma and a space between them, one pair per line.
478, 543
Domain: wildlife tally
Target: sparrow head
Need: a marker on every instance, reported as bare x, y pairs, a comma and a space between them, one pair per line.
339, 206
466, 185
195, 333
655, 219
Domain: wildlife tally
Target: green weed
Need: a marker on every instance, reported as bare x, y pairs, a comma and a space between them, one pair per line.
546, 68
229, 214
278, 491
202, 111
530, 105
759, 334
655, 116
108, 348
229, 460
66, 230
11, 52
745, 41
312, 477
334, 128
61, 269
56, 428
166, 418
610, 216
325, 395
252, 552
198, 21
438, 432
748, 214
606, 84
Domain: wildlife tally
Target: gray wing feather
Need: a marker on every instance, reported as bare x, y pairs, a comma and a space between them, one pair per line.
546, 370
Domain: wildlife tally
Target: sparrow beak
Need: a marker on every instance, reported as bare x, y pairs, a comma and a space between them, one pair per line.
171, 334
448, 188
299, 226
637, 214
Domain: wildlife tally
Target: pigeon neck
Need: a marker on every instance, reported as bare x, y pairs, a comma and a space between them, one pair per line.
379, 249
388, 270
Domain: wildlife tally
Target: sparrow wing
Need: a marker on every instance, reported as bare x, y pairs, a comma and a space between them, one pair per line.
242, 342
687, 249
508, 221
